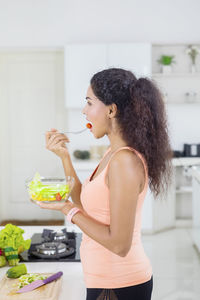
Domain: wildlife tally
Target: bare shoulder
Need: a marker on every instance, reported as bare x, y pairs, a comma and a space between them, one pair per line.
127, 164
127, 159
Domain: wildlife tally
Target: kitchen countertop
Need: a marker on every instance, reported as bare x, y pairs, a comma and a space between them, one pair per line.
186, 161
90, 164
73, 287
196, 172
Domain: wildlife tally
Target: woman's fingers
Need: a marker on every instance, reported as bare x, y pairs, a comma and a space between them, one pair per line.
55, 206
49, 134
54, 138
57, 146
52, 206
58, 135
56, 141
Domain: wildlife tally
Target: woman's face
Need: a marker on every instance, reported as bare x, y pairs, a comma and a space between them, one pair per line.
97, 113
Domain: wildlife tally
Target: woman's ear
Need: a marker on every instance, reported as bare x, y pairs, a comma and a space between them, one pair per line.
112, 111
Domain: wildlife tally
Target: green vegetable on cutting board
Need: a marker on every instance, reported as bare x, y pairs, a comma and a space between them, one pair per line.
17, 271
29, 278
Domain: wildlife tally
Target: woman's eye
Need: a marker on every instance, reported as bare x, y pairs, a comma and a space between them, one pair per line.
89, 103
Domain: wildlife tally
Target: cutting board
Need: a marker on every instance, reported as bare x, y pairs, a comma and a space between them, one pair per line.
48, 291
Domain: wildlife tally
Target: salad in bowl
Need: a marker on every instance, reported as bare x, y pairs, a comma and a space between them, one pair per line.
49, 189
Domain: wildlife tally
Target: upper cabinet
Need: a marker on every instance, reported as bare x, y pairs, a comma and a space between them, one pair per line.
84, 60
135, 57
81, 62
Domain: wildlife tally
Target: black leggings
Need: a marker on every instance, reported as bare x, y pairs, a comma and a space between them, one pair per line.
136, 292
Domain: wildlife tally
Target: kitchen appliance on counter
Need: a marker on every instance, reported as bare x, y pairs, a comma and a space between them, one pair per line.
191, 150
51, 245
177, 153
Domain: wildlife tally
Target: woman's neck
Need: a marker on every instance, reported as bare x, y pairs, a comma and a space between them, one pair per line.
116, 142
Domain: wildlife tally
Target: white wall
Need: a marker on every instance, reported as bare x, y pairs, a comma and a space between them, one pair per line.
55, 23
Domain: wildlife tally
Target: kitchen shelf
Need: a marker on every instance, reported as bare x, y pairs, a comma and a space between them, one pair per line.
182, 102
172, 75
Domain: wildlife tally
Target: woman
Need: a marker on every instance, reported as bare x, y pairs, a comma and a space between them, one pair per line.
108, 206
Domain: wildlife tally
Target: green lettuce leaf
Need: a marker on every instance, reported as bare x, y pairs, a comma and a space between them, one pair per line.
11, 236
39, 191
2, 261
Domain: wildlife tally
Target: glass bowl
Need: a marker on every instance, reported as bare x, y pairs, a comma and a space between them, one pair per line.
49, 189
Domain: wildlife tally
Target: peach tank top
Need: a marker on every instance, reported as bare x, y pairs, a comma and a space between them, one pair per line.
101, 267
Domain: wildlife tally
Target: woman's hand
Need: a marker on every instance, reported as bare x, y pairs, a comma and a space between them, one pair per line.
64, 207
55, 142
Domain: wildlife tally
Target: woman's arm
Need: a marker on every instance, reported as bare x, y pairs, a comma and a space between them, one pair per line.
126, 180
69, 171
56, 142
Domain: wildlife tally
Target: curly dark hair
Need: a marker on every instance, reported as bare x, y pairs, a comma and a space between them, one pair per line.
141, 118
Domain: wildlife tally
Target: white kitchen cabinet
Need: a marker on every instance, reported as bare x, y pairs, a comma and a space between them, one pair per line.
183, 193
135, 57
184, 187
196, 197
158, 214
82, 61
196, 207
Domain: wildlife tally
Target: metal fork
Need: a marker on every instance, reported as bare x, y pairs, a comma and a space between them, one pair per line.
74, 132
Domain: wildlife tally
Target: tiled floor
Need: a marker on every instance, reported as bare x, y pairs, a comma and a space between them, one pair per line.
176, 265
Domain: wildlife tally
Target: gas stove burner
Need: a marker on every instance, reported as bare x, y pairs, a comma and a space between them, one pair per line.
48, 253
51, 235
59, 236
53, 250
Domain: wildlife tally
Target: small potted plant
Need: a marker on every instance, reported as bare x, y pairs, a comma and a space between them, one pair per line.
192, 51
166, 61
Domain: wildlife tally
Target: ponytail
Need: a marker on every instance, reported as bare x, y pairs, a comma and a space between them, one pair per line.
150, 132
141, 118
